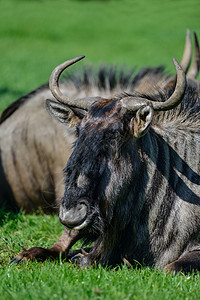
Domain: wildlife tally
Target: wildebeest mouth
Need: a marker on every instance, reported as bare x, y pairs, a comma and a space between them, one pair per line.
76, 217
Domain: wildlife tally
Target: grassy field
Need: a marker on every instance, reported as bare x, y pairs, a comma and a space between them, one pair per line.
61, 280
35, 36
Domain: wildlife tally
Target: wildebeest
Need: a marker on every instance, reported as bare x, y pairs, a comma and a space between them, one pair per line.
35, 148
132, 181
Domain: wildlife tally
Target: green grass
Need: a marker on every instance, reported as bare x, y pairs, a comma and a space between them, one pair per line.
61, 280
35, 36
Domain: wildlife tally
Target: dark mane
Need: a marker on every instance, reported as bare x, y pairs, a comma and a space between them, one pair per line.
103, 77
111, 76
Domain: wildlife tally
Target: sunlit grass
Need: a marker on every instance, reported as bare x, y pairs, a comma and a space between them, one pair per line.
62, 280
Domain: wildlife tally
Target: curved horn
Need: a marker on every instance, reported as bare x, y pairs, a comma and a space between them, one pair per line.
134, 103
187, 54
194, 69
83, 103
186, 58
178, 93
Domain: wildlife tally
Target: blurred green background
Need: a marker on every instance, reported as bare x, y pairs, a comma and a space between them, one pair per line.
36, 35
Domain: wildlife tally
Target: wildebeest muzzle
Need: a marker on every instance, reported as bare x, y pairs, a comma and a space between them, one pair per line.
75, 217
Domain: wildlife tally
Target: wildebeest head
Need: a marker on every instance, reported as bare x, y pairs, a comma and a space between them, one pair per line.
106, 156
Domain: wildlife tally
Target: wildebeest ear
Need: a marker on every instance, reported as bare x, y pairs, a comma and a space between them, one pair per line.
64, 114
140, 123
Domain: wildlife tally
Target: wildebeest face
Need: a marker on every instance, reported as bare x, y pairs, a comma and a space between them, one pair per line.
106, 157
104, 162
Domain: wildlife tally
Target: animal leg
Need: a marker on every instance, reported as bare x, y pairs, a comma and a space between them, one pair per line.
88, 257
188, 263
83, 251
61, 247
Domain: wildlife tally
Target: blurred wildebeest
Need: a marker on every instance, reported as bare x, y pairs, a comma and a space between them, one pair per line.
34, 147
132, 181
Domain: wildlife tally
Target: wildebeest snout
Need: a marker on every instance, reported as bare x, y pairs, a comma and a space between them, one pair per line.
75, 217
